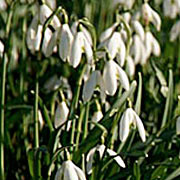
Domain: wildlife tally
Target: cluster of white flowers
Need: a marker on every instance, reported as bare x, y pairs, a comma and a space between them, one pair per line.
127, 42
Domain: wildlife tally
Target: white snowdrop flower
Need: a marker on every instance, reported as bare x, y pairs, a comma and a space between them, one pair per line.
61, 114
66, 39
90, 85
178, 126
101, 148
47, 37
149, 15
83, 29
1, 49
88, 51
138, 28
130, 66
34, 34
77, 49
45, 12
171, 8
107, 33
175, 31
130, 117
69, 171
112, 72
113, 44
121, 53
51, 45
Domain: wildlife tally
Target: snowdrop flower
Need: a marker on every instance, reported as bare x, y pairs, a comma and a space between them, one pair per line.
34, 35
101, 148
95, 79
108, 32
178, 126
77, 49
69, 171
51, 42
164, 90
113, 72
149, 15
44, 13
151, 44
66, 39
40, 118
130, 117
61, 114
175, 31
171, 8
79, 45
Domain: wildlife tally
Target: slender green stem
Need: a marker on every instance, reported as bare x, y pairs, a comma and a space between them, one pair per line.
3, 83
85, 131
79, 127
36, 128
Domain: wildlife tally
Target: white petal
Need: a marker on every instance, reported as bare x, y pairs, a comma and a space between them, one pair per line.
87, 35
88, 51
156, 20
76, 50
101, 148
148, 43
46, 40
79, 173
61, 114
110, 79
122, 77
59, 174
114, 44
124, 125
65, 44
1, 49
107, 33
118, 159
97, 116
140, 127
89, 86
156, 50
69, 171
138, 29
178, 126
89, 160
130, 66
52, 43
37, 40
175, 31
45, 12
121, 54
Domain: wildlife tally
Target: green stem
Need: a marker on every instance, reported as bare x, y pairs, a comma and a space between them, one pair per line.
3, 83
79, 127
86, 121
36, 128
